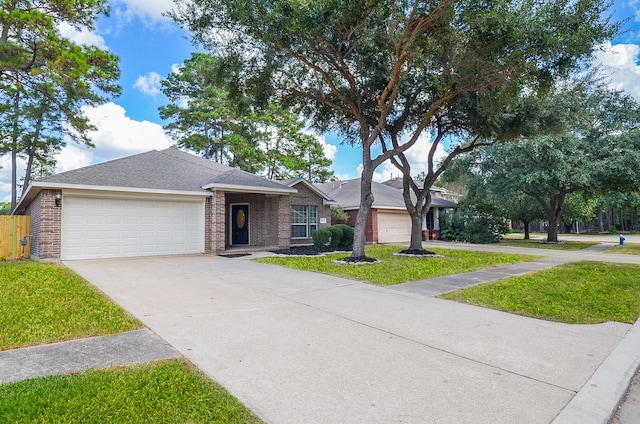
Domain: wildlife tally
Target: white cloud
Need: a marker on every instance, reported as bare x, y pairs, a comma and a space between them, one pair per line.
83, 37
329, 149
620, 64
116, 136
144, 9
149, 84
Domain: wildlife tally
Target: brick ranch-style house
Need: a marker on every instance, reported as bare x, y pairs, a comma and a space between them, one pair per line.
165, 203
389, 221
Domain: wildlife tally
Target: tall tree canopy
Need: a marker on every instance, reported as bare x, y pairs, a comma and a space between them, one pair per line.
382, 71
599, 152
45, 79
203, 117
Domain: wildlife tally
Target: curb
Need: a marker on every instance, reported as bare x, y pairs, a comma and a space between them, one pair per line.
598, 399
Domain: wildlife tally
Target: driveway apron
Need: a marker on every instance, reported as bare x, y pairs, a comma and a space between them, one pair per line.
299, 347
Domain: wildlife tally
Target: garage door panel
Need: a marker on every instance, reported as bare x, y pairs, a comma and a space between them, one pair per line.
103, 228
394, 227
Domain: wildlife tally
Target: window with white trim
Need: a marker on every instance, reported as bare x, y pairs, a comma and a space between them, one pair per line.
304, 219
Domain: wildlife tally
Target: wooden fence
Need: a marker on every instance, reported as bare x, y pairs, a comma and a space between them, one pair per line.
13, 229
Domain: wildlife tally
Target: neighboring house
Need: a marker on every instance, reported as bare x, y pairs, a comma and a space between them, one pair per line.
158, 203
389, 221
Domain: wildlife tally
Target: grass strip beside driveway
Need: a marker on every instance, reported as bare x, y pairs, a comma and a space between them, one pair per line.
628, 249
540, 244
171, 391
399, 269
576, 293
46, 302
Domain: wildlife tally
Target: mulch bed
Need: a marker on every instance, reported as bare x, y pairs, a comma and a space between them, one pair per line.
308, 251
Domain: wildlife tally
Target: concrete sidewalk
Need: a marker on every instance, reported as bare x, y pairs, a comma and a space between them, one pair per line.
453, 282
304, 347
79, 355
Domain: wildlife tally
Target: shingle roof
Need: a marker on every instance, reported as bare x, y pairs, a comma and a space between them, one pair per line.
169, 169
347, 194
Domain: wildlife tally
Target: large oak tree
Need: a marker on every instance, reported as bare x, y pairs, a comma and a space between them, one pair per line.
383, 71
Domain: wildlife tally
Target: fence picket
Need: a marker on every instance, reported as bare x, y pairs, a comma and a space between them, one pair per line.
12, 230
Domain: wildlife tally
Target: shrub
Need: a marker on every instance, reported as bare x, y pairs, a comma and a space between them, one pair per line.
475, 223
347, 235
336, 235
321, 237
338, 215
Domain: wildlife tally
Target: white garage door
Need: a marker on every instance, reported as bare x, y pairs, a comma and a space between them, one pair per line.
115, 228
394, 227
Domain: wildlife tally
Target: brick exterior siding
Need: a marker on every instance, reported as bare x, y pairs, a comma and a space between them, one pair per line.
371, 231
306, 197
266, 218
46, 226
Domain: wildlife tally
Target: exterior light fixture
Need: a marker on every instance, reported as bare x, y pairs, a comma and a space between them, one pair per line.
58, 198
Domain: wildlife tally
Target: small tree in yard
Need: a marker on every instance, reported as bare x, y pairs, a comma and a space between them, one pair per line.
384, 72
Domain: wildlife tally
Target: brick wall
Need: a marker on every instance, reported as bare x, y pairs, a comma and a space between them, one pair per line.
307, 197
46, 225
33, 210
218, 222
371, 231
284, 223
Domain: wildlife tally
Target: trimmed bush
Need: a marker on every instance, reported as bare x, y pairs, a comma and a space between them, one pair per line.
321, 237
336, 236
347, 235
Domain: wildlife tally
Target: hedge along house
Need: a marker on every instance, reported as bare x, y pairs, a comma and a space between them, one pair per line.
156, 203
389, 221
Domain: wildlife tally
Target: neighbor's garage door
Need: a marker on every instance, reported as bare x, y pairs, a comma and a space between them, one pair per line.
114, 228
394, 227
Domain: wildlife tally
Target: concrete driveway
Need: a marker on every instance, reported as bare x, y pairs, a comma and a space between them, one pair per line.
299, 347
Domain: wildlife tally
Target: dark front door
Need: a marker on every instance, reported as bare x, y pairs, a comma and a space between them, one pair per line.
239, 224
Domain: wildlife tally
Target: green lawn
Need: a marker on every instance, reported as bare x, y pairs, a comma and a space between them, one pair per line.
575, 293
43, 303
46, 302
539, 244
170, 391
399, 269
627, 248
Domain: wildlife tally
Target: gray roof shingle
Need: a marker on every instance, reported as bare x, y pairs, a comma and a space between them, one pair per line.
347, 194
169, 169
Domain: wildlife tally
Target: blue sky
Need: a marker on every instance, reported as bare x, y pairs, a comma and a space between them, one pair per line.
150, 46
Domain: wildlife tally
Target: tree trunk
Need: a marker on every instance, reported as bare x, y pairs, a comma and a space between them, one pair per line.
14, 175
554, 214
416, 230
601, 221
552, 230
366, 200
527, 232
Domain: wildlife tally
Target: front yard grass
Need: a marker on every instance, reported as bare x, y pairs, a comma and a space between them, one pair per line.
43, 303
46, 302
539, 244
628, 248
576, 293
399, 269
171, 391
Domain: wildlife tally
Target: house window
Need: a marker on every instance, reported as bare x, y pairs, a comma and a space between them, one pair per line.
304, 219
